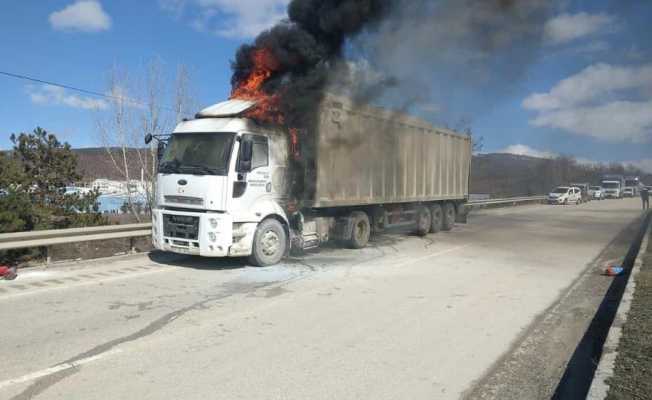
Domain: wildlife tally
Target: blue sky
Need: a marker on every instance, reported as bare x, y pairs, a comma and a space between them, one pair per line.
589, 94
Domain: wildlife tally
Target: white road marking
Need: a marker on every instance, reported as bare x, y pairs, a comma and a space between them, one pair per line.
35, 274
87, 283
57, 368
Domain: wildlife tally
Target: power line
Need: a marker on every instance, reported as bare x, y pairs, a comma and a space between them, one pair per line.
85, 91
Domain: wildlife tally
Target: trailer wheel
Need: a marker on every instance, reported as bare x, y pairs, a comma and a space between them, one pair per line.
437, 218
424, 221
360, 230
270, 243
449, 217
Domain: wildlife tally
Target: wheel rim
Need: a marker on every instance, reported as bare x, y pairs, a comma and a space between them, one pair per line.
424, 220
270, 243
360, 230
436, 217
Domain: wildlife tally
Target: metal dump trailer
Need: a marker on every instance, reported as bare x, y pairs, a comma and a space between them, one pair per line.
366, 155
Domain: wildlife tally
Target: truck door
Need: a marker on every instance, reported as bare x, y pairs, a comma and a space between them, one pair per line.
252, 184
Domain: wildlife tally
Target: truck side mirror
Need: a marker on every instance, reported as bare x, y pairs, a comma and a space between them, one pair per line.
246, 155
148, 138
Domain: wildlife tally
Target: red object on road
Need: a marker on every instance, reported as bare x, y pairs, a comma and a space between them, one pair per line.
614, 271
7, 273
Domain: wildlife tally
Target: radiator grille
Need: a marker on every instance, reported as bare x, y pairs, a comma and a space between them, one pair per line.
181, 226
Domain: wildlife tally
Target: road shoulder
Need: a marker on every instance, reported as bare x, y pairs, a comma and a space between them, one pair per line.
633, 364
535, 364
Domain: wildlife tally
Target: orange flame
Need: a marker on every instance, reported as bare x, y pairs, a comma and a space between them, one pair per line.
268, 105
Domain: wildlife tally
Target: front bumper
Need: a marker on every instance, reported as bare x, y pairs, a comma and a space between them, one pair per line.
555, 200
195, 233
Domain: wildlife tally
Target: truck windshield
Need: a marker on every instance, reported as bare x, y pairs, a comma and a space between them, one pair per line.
197, 154
631, 183
610, 185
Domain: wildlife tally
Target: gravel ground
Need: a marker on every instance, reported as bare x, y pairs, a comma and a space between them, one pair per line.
633, 372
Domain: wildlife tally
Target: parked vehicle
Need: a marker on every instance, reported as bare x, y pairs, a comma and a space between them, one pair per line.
565, 195
632, 183
584, 188
230, 187
613, 186
596, 193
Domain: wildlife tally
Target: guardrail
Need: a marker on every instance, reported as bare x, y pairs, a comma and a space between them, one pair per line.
22, 240
512, 200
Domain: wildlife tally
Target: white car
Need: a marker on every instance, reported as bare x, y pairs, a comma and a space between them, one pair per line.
565, 195
628, 192
596, 193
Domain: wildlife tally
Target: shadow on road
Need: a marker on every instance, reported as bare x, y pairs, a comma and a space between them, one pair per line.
196, 262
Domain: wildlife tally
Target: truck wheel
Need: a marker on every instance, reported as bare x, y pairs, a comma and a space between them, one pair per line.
424, 221
449, 217
437, 218
360, 230
270, 243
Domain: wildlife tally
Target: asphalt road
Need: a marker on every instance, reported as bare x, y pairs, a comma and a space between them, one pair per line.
407, 318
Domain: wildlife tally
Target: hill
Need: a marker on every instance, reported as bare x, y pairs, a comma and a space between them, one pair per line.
96, 162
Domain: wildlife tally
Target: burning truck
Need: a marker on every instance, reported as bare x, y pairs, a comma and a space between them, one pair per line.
283, 165
230, 186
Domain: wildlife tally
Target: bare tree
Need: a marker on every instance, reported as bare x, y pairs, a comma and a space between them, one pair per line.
464, 126
150, 104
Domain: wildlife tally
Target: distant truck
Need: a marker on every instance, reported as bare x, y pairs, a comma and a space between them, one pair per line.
230, 187
613, 186
632, 186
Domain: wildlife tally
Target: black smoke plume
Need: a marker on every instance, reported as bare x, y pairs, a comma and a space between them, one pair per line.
446, 59
410, 50
306, 46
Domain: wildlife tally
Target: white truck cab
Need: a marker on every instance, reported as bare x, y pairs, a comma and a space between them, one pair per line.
218, 178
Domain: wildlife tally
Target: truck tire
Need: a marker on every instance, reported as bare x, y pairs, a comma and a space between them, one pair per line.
270, 244
437, 215
424, 221
360, 230
448, 221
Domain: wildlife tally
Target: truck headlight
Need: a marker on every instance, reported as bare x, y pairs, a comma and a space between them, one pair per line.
213, 222
212, 237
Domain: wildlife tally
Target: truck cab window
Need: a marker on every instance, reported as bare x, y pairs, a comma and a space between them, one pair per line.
260, 153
